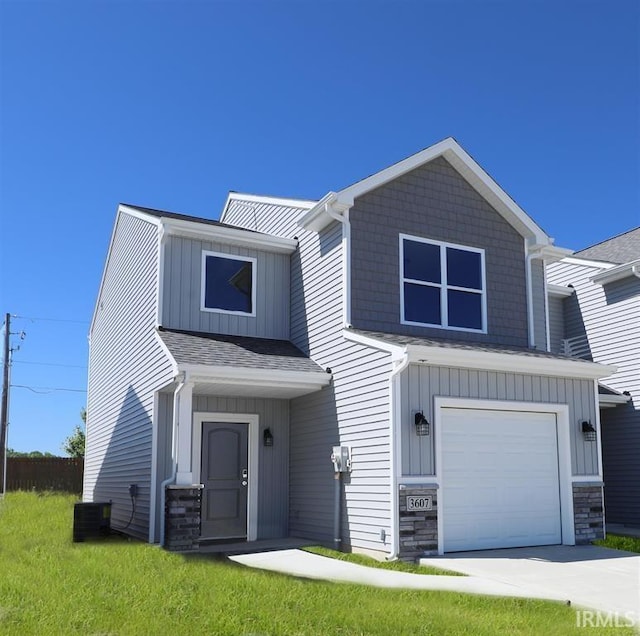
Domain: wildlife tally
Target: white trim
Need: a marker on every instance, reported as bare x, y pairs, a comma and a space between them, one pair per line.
443, 286
514, 363
427, 480
547, 329
253, 420
395, 450
153, 494
617, 273
397, 351
611, 401
257, 377
203, 283
174, 365
316, 218
139, 214
598, 430
586, 262
229, 236
584, 479
561, 412
559, 291
160, 281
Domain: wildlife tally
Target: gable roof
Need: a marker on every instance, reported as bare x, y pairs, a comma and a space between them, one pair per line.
619, 249
319, 216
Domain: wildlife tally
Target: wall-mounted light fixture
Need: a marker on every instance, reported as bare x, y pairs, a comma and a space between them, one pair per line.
588, 431
422, 425
267, 437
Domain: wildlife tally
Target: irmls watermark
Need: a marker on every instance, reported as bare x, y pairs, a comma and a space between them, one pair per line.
598, 618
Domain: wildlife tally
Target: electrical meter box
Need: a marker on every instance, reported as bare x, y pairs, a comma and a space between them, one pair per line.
341, 458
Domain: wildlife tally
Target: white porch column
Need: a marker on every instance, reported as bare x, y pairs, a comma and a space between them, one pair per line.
183, 411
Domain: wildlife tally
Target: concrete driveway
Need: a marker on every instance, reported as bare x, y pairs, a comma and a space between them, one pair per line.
588, 576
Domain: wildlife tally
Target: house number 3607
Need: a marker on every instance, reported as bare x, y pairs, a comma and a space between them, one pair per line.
418, 503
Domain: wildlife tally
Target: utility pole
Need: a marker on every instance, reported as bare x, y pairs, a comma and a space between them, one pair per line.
4, 406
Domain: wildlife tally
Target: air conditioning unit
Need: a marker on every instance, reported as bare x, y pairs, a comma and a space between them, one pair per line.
91, 520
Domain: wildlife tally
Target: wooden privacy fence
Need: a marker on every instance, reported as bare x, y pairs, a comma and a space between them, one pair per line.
45, 473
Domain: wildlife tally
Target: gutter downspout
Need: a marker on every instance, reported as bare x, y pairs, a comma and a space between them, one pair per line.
395, 411
346, 262
174, 451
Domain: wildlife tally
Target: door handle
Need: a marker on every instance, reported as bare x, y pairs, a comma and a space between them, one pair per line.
245, 473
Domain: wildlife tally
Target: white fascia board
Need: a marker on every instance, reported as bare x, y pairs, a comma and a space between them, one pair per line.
560, 291
617, 273
122, 209
508, 362
585, 262
549, 253
397, 352
303, 204
257, 377
317, 217
229, 236
463, 163
609, 401
167, 352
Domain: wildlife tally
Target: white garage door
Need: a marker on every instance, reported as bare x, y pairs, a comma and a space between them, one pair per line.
500, 486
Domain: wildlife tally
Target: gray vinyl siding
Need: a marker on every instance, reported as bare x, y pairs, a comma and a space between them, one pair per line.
126, 368
353, 410
277, 220
621, 467
182, 291
539, 305
273, 462
556, 323
421, 383
434, 202
609, 316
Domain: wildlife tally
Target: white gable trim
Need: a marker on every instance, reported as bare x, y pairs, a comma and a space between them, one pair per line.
612, 274
316, 218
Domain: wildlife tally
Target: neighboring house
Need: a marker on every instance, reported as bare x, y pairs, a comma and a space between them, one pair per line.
595, 314
404, 318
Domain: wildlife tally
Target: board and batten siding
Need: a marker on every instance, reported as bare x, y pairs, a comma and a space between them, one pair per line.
126, 367
434, 202
421, 383
273, 462
181, 298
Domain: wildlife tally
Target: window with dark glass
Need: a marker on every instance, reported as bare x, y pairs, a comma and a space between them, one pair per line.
442, 284
228, 283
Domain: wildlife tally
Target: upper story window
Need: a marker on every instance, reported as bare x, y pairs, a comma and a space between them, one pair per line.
442, 285
228, 284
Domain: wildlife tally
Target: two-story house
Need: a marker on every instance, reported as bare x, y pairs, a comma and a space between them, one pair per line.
403, 318
594, 300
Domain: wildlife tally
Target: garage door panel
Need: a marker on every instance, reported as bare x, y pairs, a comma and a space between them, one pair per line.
500, 479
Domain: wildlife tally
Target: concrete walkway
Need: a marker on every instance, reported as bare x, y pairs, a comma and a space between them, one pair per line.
587, 576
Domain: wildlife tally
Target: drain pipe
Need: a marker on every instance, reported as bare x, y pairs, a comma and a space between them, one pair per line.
395, 425
174, 453
337, 517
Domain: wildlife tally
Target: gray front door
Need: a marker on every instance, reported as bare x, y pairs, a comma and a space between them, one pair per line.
224, 474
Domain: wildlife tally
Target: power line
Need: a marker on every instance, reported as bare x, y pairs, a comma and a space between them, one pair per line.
46, 389
83, 322
51, 364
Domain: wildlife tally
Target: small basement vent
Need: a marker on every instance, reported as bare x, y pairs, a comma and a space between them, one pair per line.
91, 520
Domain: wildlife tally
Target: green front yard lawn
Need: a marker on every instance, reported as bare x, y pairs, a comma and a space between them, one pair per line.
51, 586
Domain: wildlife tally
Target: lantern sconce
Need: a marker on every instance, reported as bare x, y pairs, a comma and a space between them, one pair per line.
267, 437
422, 424
588, 431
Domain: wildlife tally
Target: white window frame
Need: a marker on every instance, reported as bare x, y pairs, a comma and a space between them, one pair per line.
203, 283
442, 285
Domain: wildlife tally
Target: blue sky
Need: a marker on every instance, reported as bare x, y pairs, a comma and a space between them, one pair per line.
172, 104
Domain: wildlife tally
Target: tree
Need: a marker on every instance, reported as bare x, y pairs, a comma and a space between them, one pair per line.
74, 444
15, 453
